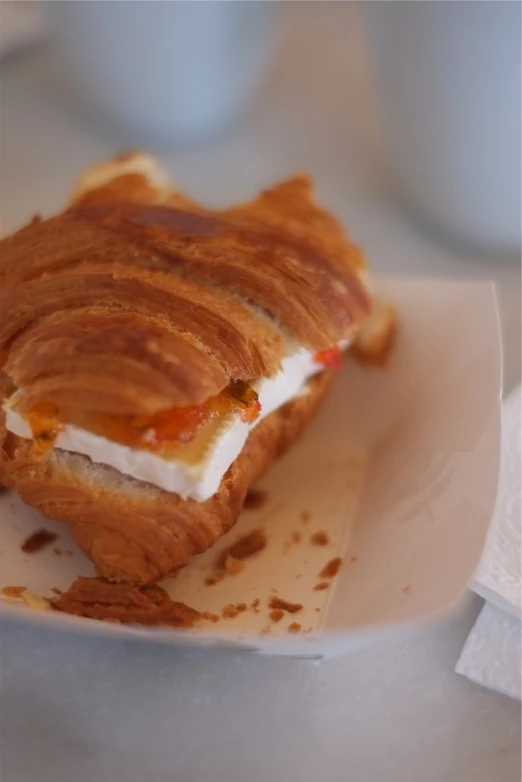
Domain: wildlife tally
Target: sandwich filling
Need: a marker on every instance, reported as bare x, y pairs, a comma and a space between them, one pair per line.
186, 451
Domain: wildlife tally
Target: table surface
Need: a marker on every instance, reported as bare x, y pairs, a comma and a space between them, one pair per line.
114, 711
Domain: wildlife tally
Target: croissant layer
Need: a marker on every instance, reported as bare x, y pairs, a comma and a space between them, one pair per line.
135, 532
136, 299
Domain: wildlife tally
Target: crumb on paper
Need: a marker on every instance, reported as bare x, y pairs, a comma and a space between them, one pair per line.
319, 538
214, 578
255, 499
57, 590
274, 591
233, 565
233, 609
318, 610
69, 553
38, 540
305, 516
13, 591
284, 605
148, 605
266, 630
276, 615
407, 589
210, 617
57, 551
298, 576
321, 585
331, 568
353, 560
295, 538
37, 602
244, 548
294, 627
231, 560
255, 605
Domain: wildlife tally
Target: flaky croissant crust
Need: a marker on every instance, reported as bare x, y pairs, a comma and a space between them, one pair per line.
136, 299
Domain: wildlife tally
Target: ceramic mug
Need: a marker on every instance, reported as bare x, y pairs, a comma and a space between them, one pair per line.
448, 78
163, 72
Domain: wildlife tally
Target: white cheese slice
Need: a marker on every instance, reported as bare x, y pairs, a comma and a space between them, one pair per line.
197, 481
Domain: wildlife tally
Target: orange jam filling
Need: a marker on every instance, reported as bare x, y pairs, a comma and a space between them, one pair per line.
162, 433
332, 357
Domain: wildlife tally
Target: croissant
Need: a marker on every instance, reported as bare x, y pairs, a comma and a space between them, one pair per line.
158, 356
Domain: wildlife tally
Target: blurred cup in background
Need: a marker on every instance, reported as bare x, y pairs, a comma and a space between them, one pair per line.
163, 72
448, 77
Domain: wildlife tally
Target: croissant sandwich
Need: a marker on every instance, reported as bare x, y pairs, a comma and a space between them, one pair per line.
158, 356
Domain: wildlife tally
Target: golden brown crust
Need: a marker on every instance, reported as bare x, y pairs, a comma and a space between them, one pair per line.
148, 605
374, 341
135, 298
134, 532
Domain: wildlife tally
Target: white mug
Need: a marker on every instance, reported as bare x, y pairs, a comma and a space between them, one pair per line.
162, 72
449, 81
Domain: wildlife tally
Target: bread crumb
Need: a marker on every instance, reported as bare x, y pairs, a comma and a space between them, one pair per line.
353, 560
215, 578
284, 605
233, 609
243, 548
13, 591
32, 600
318, 610
57, 551
233, 565
148, 605
255, 499
321, 585
331, 568
305, 516
295, 538
254, 605
295, 627
277, 615
209, 616
38, 540
298, 576
319, 538
407, 589
57, 590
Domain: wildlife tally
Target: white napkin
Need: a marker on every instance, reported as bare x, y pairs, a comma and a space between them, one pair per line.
21, 24
492, 653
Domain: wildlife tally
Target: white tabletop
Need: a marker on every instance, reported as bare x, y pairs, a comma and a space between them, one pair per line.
103, 711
